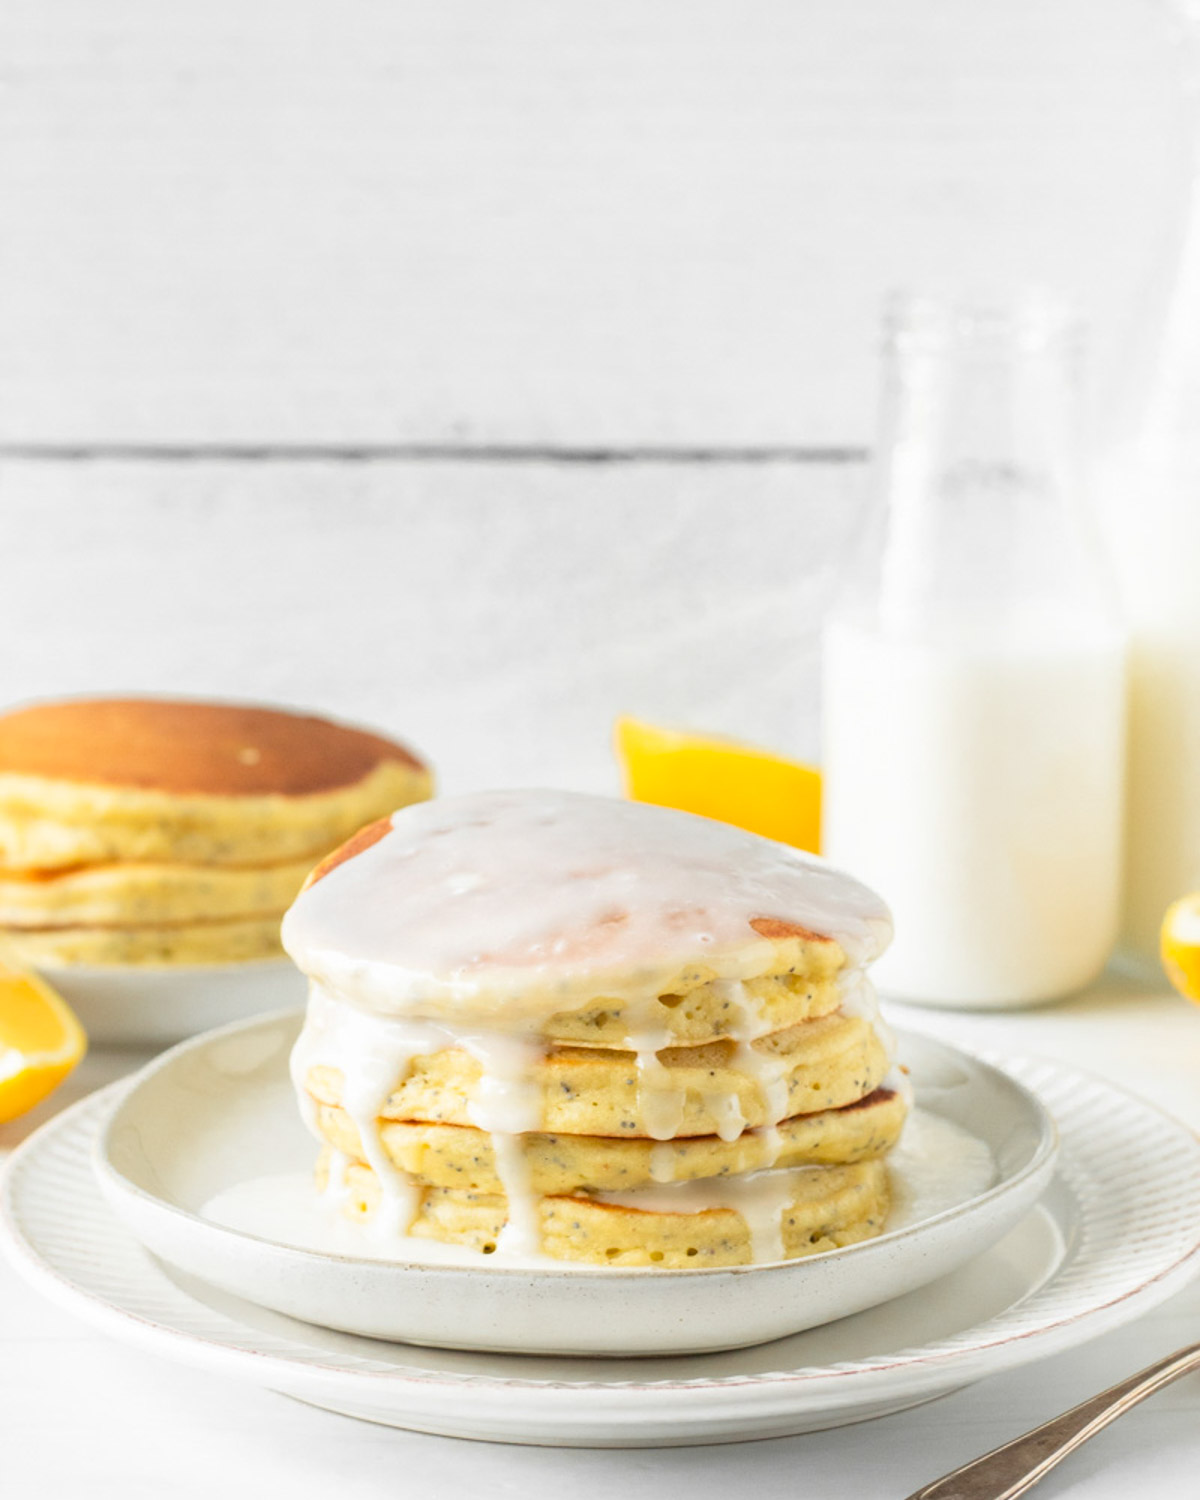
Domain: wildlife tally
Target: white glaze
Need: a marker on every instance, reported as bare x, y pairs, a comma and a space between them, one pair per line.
471, 922
768, 1069
337, 1165
661, 1103
519, 903
374, 1054
858, 997
522, 1231
897, 1080
508, 1105
662, 1161
760, 1198
937, 1166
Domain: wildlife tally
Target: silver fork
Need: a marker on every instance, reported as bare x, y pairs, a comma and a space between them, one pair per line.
1009, 1471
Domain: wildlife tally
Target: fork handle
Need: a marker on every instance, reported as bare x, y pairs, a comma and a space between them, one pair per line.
1009, 1471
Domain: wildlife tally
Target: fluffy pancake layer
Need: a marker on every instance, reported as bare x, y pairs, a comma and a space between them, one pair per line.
706, 1012
158, 831
462, 1157
234, 940
546, 1024
50, 825
823, 1064
818, 1209
108, 895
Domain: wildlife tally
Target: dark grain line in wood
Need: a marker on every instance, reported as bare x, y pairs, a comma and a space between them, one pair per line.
435, 453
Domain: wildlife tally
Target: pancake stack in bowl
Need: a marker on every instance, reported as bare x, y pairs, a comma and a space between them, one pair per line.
549, 1024
159, 831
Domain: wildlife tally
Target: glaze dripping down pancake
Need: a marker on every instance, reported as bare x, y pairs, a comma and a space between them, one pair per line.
525, 903
544, 1024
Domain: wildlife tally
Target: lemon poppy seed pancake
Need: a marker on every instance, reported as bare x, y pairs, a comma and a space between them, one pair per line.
457, 1156
232, 940
91, 780
162, 831
520, 904
537, 998
721, 1087
672, 1228
118, 894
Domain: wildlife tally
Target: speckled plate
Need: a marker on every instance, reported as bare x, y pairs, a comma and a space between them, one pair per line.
220, 1110
1117, 1231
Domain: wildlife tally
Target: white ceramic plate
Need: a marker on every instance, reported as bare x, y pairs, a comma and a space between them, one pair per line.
144, 1006
1117, 1231
220, 1110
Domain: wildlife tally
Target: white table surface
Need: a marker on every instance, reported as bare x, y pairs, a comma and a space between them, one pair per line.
83, 1416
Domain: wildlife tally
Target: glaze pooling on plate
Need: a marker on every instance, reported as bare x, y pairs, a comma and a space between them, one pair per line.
217, 1113
471, 925
496, 902
1128, 1172
939, 1166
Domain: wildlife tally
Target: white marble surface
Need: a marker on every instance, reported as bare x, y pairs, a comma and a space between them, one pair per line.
82, 1415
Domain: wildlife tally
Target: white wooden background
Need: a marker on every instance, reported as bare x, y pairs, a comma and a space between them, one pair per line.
547, 222
499, 614
550, 327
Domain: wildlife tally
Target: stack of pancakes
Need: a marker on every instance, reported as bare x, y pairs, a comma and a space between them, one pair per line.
157, 831
543, 1023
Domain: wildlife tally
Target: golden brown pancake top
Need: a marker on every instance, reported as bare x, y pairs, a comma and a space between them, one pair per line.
177, 745
777, 928
363, 839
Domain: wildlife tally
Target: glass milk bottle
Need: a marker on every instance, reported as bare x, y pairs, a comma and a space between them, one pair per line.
973, 671
1152, 509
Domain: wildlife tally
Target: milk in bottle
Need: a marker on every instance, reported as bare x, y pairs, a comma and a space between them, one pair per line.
973, 672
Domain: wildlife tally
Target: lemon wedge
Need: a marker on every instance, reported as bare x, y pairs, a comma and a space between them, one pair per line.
723, 779
40, 1041
1179, 944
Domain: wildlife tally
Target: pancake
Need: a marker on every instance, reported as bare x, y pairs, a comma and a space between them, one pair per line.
703, 1014
116, 894
822, 1064
90, 781
148, 831
504, 908
233, 940
542, 1023
806, 1212
459, 1156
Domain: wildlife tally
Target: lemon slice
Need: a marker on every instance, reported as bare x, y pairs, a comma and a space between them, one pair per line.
723, 779
1179, 944
40, 1041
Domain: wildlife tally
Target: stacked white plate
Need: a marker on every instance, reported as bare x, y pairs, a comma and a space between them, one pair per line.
101, 1210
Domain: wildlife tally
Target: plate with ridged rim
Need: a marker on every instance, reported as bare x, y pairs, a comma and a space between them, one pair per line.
1117, 1232
219, 1112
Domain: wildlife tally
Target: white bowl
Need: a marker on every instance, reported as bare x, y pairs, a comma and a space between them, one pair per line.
136, 1006
220, 1110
